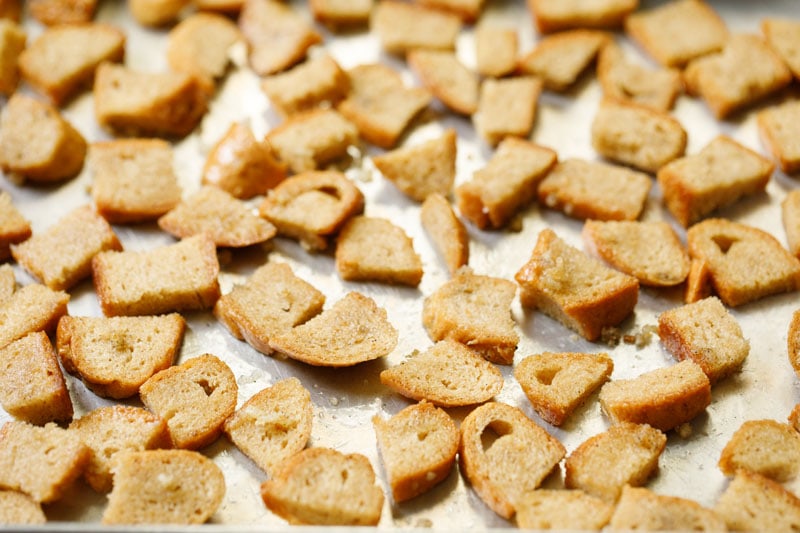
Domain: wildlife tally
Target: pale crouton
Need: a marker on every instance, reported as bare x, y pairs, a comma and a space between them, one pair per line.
404, 26
156, 12
595, 190
447, 78
164, 487
698, 282
752, 502
558, 383
418, 447
353, 331
446, 230
272, 301
8, 282
474, 310
493, 469
341, 14
779, 130
447, 374
325, 487
765, 447
375, 249
677, 32
507, 107
277, 35
12, 43
55, 12
225, 219
561, 58
649, 251
744, 71
506, 184
706, 333
31, 308
318, 82
380, 104
14, 227
575, 289
793, 344
556, 15
17, 508
63, 59
133, 180
108, 431
562, 510
625, 454
783, 36
37, 143
273, 424
194, 398
495, 50
745, 263
312, 206
200, 45
637, 135
177, 277
32, 387
61, 255
639, 508
115, 356
664, 398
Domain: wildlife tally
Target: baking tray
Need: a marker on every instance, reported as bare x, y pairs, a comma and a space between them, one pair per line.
345, 400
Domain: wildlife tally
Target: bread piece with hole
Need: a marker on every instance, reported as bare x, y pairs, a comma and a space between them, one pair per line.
560, 59
32, 387
745, 263
200, 45
156, 13
55, 12
779, 130
194, 398
273, 425
446, 230
783, 36
640, 508
17, 508
341, 15
447, 374
558, 383
354, 330
108, 431
402, 27
115, 356
31, 308
562, 510
8, 282
418, 448
575, 289
556, 15
440, 71
164, 487
765, 447
793, 343
14, 227
507, 107
318, 82
753, 502
493, 468
495, 50
12, 43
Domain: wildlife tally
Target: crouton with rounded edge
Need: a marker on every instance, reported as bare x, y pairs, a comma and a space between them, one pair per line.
765, 447
31, 308
752, 502
642, 509
156, 13
317, 82
200, 45
14, 227
55, 12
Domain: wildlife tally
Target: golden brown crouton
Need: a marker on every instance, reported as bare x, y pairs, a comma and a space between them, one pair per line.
318, 82
556, 15
561, 58
31, 308
639, 508
12, 43
200, 45
404, 26
447, 78
765, 447
507, 107
14, 227
446, 230
779, 131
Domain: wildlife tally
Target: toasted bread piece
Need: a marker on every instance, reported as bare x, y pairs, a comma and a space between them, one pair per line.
37, 143
637, 135
558, 383
273, 424
272, 301
380, 105
32, 387
677, 32
752, 502
115, 356
779, 131
506, 184
403, 26
353, 331
242, 165
595, 190
649, 251
156, 12
108, 431
719, 175
765, 447
664, 398
8, 282
12, 43
561, 58
474, 310
177, 277
17, 508
133, 179
746, 263
495, 50
418, 447
744, 71
312, 206
61, 256
493, 468
625, 454
706, 333
11, 10
793, 344
575, 289
341, 14
562, 510
783, 36
639, 508
55, 12
325, 487
63, 59
698, 282
446, 230
194, 398
447, 374
224, 218
14, 227
375, 249
507, 107
42, 462
318, 82
200, 44
277, 35
164, 487
447, 78
134, 102
31, 308
556, 15
624, 80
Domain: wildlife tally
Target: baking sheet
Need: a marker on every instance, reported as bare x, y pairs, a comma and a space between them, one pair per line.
345, 400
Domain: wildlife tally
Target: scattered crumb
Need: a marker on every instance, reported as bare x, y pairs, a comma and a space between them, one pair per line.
610, 336
684, 431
